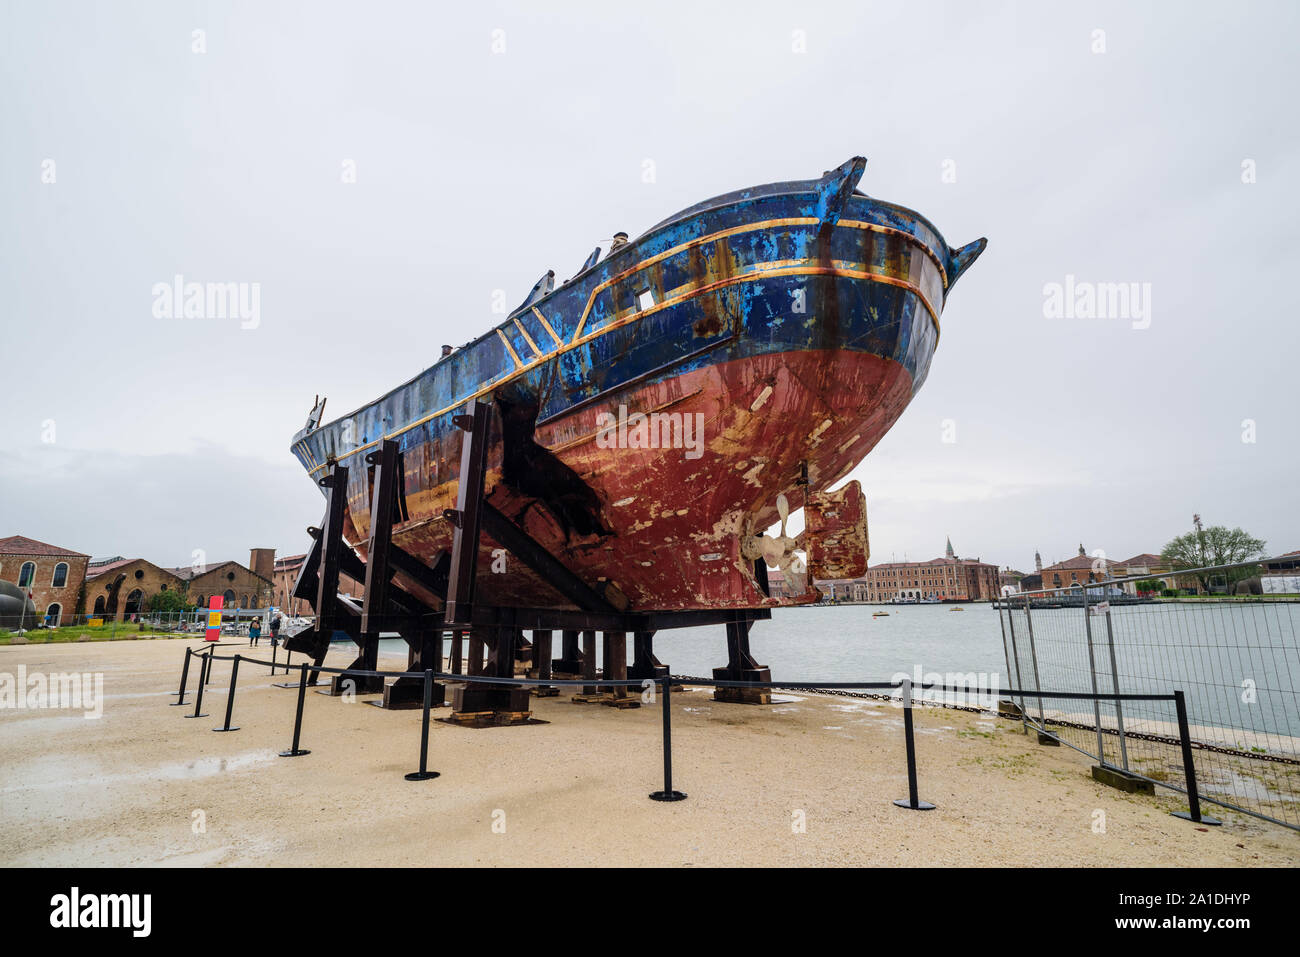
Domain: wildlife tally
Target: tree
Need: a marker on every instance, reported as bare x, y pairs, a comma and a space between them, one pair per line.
1216, 545
170, 601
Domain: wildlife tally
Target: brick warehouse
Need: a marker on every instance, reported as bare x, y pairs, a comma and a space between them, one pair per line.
54, 576
241, 586
121, 588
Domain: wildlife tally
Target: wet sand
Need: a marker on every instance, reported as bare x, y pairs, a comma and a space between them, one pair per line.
134, 786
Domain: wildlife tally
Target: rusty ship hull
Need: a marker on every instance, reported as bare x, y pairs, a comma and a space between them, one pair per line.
793, 322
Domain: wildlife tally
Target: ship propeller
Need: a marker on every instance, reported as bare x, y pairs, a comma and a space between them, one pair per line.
780, 551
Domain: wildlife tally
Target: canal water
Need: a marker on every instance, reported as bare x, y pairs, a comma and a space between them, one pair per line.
1214, 652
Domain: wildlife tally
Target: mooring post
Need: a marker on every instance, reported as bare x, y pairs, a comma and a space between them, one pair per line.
230, 697
185, 673
296, 751
424, 773
668, 794
198, 698
1193, 813
912, 801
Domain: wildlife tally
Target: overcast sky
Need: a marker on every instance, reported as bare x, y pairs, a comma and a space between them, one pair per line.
1113, 156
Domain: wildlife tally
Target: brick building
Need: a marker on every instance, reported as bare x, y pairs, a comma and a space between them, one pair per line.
52, 576
240, 586
946, 579
121, 587
1081, 569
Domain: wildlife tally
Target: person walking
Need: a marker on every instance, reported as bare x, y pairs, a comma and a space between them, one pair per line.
275, 631
254, 632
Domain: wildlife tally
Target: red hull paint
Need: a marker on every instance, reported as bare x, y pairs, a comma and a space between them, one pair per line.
763, 416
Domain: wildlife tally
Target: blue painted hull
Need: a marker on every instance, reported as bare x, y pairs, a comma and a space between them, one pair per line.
804, 299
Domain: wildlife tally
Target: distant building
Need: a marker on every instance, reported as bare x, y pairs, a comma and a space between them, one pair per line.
1282, 575
1080, 570
944, 579
52, 576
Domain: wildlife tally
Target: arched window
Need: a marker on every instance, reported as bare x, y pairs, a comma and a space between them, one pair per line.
243, 601
60, 578
26, 574
99, 604
53, 614
134, 601
229, 596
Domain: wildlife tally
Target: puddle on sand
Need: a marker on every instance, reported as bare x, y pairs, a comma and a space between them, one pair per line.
206, 767
55, 771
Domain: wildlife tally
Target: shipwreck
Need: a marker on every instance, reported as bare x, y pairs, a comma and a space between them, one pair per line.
610, 456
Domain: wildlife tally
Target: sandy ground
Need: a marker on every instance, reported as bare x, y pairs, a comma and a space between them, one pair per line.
143, 785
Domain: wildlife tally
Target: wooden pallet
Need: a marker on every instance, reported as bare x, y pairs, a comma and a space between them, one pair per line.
487, 719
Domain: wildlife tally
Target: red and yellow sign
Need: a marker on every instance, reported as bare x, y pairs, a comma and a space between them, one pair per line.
213, 632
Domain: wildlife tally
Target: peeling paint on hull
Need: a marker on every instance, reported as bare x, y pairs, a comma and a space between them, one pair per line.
797, 332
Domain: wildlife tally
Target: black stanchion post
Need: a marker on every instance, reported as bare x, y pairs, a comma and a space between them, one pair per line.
230, 697
198, 697
287, 655
912, 801
668, 794
424, 774
273, 651
1193, 813
296, 751
185, 674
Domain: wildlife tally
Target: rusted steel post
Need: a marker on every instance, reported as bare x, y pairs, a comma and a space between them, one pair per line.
457, 663
589, 663
542, 657
468, 512
616, 661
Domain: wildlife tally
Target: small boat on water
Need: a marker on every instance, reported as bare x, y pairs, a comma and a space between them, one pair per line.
958, 608
880, 614
654, 414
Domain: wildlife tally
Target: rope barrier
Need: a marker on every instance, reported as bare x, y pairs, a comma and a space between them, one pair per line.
912, 802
